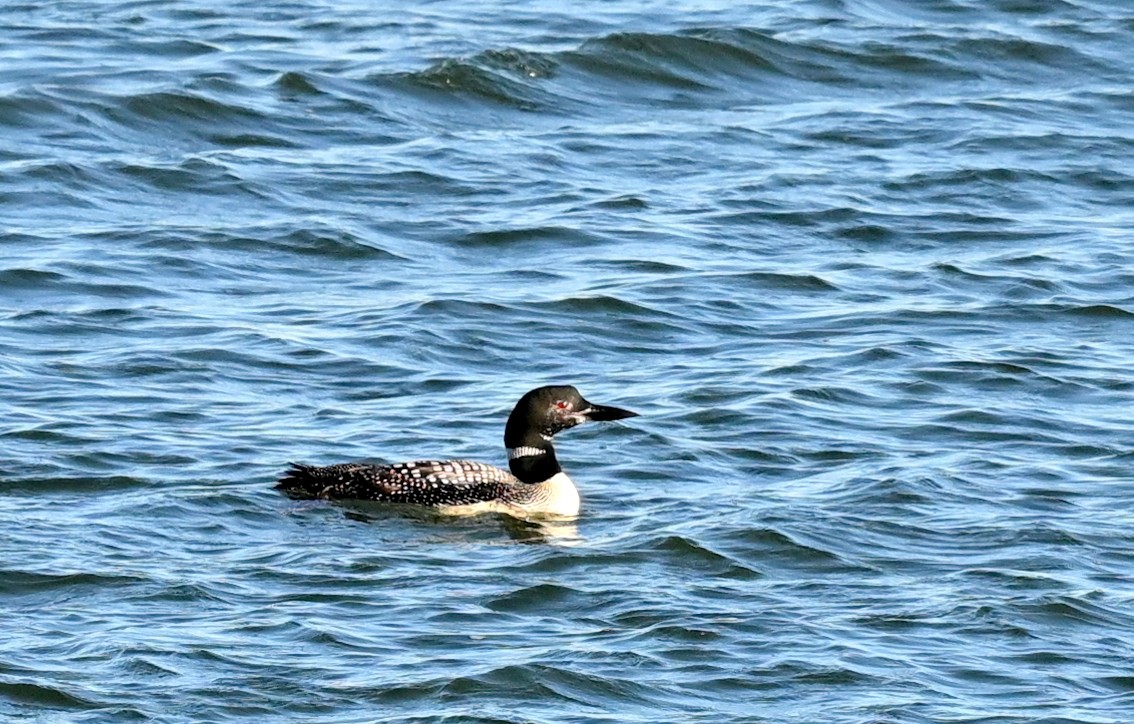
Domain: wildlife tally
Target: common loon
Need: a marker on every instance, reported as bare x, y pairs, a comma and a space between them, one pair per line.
536, 484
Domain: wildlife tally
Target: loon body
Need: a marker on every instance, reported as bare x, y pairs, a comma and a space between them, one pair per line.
534, 483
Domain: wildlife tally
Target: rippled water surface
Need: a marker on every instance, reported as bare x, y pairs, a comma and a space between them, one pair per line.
864, 268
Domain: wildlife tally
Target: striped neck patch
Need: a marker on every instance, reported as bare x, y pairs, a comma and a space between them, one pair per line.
524, 451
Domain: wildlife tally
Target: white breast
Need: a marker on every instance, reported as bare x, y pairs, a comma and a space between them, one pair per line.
560, 497
555, 496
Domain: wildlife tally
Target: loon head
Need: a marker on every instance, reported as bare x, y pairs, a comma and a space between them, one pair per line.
547, 410
537, 417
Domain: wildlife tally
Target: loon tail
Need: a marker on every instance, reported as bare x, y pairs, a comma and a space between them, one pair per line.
300, 482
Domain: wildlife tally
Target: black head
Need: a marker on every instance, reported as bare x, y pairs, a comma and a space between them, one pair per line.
537, 417
547, 410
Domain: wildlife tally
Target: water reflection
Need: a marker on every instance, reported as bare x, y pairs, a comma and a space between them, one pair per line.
553, 530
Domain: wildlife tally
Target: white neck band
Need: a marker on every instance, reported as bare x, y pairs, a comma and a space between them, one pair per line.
524, 451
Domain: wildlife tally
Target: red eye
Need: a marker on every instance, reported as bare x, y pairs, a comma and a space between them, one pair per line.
562, 405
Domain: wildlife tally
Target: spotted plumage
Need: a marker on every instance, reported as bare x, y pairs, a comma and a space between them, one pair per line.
535, 483
422, 482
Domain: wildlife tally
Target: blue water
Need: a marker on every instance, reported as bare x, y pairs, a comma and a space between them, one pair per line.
863, 267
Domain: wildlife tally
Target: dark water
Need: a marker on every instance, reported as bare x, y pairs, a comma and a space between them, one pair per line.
865, 268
